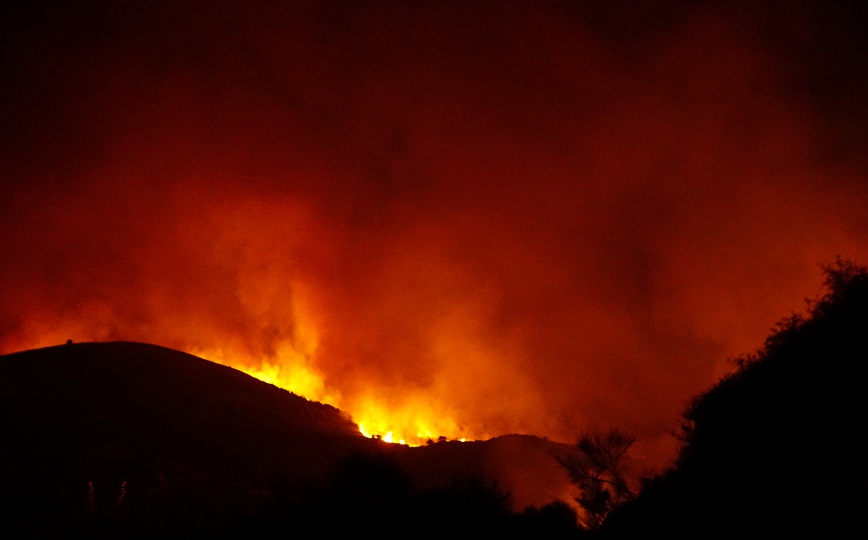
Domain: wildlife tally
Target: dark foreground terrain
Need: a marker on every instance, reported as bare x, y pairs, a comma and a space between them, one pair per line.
131, 439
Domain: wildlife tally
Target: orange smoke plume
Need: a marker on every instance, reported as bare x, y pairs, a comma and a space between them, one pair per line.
458, 221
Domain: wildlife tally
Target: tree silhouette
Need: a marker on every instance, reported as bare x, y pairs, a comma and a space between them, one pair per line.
597, 470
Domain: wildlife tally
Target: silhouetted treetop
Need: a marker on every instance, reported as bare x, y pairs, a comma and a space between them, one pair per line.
846, 289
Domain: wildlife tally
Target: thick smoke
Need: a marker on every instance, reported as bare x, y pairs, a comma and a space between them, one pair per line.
533, 218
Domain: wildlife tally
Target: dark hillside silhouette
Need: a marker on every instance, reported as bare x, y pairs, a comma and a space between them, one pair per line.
777, 449
108, 395
136, 440
97, 431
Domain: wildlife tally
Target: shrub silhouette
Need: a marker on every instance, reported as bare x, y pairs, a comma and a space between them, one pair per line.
556, 520
775, 450
369, 493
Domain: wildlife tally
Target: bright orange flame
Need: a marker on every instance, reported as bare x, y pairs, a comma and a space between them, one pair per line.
289, 370
413, 419
293, 367
413, 423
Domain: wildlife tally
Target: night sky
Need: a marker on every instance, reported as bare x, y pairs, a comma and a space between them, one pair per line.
453, 218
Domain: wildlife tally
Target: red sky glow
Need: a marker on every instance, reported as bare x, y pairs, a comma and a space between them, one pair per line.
446, 218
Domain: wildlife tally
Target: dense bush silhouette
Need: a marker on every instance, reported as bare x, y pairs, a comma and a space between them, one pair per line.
369, 493
776, 449
554, 521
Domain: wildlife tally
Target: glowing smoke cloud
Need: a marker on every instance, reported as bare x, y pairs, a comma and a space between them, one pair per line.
457, 220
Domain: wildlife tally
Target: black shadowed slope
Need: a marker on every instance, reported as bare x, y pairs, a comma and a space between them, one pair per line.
85, 396
136, 440
79, 420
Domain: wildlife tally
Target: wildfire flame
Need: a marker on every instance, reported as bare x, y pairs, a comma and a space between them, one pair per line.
413, 423
410, 419
413, 419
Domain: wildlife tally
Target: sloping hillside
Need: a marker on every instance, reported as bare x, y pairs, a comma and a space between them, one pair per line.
151, 439
95, 431
161, 403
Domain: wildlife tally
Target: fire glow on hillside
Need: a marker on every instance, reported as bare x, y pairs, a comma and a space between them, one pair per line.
460, 220
293, 367
413, 424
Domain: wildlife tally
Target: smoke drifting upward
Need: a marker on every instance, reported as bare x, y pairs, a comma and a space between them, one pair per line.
466, 220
